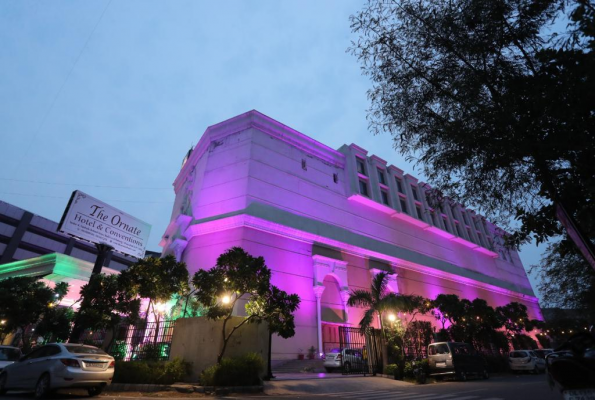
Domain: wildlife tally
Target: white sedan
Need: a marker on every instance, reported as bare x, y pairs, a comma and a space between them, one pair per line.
59, 365
8, 355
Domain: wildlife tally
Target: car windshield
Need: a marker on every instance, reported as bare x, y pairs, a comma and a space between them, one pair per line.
8, 354
335, 351
518, 354
74, 349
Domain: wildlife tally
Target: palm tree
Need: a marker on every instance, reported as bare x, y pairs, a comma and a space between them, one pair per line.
377, 301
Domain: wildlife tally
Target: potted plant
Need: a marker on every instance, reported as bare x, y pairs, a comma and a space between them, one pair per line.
311, 353
300, 354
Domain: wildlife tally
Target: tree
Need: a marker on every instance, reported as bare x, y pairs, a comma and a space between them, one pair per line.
499, 116
448, 308
156, 279
24, 301
376, 301
276, 308
514, 318
566, 281
239, 277
106, 302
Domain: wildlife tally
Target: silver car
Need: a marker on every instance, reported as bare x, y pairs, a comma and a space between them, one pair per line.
525, 360
59, 365
8, 355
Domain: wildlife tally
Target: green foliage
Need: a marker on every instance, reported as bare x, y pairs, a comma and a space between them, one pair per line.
153, 351
410, 366
565, 279
514, 317
237, 275
498, 113
240, 371
119, 350
151, 372
157, 279
390, 369
106, 302
55, 324
24, 301
521, 341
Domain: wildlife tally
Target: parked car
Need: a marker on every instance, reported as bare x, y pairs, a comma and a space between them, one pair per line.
8, 355
543, 353
58, 365
347, 359
525, 360
456, 359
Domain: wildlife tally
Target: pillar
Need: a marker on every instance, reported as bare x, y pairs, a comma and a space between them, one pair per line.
318, 290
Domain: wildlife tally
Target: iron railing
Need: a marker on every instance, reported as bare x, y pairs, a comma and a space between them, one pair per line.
144, 341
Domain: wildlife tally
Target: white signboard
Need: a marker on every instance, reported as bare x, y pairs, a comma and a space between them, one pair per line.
88, 218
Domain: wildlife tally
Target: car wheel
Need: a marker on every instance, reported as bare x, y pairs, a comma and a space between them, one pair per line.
347, 367
329, 370
94, 391
463, 376
42, 389
2, 384
486, 374
536, 370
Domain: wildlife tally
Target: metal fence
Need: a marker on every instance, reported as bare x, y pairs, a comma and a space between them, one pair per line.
144, 341
360, 350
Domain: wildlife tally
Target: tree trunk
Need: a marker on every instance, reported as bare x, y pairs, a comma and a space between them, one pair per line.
269, 366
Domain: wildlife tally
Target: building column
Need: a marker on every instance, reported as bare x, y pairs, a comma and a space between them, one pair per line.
16, 238
318, 290
344, 299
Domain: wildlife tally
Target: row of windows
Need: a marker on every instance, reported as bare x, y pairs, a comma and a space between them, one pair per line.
465, 227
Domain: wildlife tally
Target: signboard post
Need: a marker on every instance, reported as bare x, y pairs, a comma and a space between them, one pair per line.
108, 228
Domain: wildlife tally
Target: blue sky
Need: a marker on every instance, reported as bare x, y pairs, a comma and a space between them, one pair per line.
112, 94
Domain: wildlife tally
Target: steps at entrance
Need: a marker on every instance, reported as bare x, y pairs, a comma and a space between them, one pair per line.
296, 366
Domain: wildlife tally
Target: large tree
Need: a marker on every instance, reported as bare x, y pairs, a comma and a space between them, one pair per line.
500, 115
24, 301
276, 308
565, 279
156, 279
239, 278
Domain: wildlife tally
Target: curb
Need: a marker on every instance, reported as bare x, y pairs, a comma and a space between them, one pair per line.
182, 388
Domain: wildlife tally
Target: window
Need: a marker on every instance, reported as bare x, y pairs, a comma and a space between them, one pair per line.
361, 167
363, 188
304, 164
403, 205
335, 178
481, 240
418, 209
399, 185
414, 191
384, 197
434, 218
381, 178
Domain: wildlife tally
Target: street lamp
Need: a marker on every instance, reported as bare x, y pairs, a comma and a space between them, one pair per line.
392, 317
226, 299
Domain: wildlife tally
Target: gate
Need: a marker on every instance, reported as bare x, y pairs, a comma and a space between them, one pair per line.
360, 350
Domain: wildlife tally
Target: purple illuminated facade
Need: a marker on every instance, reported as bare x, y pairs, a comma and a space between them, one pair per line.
326, 221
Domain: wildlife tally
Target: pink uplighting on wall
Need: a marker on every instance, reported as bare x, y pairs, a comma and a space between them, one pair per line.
256, 183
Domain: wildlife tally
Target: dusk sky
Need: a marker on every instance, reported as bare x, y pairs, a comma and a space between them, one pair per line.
108, 96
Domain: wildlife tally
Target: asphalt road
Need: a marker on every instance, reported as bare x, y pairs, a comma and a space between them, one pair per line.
506, 387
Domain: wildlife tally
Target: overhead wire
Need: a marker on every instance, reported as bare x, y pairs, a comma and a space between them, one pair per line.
85, 184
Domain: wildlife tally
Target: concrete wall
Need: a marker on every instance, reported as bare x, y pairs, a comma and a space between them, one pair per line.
199, 341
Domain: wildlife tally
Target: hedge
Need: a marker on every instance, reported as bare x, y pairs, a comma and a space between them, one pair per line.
152, 372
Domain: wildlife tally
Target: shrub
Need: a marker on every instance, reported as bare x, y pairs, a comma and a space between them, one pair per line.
239, 371
155, 372
409, 367
390, 369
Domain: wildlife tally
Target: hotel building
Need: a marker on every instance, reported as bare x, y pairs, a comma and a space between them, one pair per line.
326, 221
